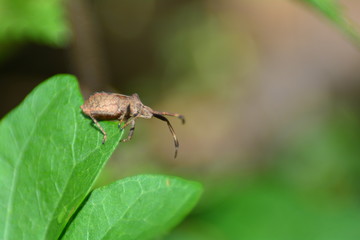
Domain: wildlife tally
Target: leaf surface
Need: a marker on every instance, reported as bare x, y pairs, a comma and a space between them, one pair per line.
140, 207
50, 155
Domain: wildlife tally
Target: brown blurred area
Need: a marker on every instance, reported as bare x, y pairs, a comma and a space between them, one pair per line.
246, 74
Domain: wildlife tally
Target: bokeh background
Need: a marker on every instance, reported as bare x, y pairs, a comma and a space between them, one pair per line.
270, 91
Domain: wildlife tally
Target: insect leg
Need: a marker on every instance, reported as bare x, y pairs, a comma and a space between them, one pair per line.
99, 126
129, 121
121, 119
131, 132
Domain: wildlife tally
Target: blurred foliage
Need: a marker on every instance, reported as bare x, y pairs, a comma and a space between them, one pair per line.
310, 190
201, 54
325, 156
333, 10
41, 21
267, 210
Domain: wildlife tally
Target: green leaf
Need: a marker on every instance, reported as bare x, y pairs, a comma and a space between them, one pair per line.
50, 155
332, 9
140, 207
38, 20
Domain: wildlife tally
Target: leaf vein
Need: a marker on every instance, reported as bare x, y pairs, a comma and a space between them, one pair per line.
15, 174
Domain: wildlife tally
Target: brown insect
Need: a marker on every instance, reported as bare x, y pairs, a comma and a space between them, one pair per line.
114, 106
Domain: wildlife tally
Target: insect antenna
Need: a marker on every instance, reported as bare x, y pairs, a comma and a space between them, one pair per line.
181, 117
176, 142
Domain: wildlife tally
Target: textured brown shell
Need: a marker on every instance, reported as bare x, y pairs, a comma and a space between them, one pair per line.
104, 106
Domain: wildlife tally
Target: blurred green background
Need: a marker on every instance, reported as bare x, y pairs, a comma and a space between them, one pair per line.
270, 91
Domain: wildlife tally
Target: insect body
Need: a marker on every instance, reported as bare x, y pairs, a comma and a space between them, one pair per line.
125, 109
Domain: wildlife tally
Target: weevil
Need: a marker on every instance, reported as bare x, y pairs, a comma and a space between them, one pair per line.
125, 109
